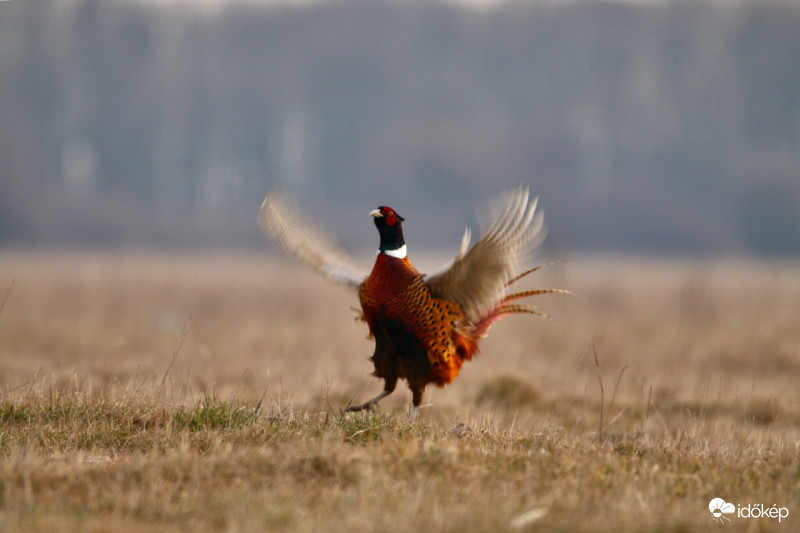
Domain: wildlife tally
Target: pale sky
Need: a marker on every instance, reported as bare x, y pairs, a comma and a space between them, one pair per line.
212, 5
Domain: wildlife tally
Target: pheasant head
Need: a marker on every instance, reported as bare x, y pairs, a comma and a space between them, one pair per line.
390, 227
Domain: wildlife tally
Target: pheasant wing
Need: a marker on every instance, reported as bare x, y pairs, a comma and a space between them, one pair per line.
478, 278
280, 221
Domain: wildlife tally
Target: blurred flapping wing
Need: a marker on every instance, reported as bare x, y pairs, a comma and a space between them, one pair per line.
478, 279
279, 221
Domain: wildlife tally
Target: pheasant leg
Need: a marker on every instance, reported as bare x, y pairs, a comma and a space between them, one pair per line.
369, 404
416, 390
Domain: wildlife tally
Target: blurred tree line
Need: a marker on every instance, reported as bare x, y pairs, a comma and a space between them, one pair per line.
668, 126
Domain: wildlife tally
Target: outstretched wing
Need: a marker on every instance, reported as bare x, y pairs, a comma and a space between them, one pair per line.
278, 220
478, 279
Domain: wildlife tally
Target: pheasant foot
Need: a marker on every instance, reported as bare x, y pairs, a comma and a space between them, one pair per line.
369, 404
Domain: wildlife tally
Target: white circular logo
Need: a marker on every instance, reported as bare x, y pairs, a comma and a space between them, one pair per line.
719, 508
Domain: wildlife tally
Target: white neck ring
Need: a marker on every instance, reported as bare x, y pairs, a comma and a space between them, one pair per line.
400, 253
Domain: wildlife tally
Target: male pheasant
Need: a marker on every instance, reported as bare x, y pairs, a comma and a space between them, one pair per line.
425, 327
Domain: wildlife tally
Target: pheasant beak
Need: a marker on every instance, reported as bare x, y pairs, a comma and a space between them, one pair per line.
375, 213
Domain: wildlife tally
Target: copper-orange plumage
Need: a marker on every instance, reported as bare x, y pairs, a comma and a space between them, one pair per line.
395, 295
424, 327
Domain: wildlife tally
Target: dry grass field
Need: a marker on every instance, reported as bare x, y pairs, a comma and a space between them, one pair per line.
204, 392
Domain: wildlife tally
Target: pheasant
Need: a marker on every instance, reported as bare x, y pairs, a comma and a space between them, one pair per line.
424, 327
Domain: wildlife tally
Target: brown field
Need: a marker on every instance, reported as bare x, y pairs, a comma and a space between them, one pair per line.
167, 392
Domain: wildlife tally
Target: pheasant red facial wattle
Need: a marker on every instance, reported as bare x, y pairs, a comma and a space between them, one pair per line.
390, 216
424, 327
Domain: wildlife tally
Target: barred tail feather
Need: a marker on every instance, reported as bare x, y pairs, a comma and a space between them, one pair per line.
531, 271
505, 308
534, 292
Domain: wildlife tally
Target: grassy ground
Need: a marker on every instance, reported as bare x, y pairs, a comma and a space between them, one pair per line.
151, 392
